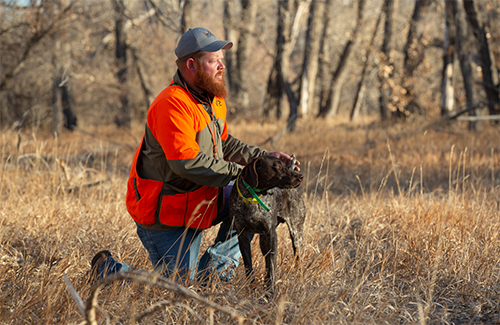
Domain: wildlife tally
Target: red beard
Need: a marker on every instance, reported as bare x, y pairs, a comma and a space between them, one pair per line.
215, 87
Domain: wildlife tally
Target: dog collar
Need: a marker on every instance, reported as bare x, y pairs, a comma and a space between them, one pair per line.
255, 198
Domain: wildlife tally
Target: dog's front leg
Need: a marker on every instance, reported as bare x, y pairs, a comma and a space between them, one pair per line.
246, 250
269, 248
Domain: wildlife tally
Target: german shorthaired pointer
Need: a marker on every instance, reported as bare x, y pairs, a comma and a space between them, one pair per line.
280, 202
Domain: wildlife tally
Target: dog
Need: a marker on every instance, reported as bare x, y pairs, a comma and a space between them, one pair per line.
276, 184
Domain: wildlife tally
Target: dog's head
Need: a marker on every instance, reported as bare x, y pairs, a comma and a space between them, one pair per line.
266, 172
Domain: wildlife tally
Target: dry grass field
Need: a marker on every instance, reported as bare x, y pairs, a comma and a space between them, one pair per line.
403, 227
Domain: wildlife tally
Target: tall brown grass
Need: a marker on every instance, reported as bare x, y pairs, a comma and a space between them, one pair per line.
402, 227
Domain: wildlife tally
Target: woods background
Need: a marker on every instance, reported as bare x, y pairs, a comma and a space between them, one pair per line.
403, 223
68, 63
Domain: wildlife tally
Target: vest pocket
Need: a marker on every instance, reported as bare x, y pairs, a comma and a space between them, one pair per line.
142, 199
203, 211
172, 209
194, 209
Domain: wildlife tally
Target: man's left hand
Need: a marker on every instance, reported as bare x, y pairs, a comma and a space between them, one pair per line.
285, 158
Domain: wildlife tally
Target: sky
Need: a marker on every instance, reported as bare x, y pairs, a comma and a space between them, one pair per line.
21, 2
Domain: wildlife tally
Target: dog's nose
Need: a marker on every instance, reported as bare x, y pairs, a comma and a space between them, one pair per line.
300, 177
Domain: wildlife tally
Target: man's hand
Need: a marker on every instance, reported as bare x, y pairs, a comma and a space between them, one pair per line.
285, 158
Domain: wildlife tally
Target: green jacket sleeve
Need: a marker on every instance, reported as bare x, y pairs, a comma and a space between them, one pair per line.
239, 152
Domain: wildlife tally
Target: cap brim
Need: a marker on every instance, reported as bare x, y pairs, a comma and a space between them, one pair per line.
217, 45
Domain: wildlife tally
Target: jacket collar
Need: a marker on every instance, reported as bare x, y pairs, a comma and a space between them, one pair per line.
202, 98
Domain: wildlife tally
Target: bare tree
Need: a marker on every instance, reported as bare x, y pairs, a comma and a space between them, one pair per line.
40, 31
62, 97
414, 48
386, 67
187, 18
361, 87
330, 104
62, 100
414, 53
324, 59
231, 34
289, 16
475, 21
21, 38
56, 104
311, 56
141, 72
246, 29
463, 57
124, 117
276, 81
37, 76
447, 89
120, 34
168, 18
117, 62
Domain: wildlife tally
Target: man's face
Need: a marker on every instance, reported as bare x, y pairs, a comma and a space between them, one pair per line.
210, 74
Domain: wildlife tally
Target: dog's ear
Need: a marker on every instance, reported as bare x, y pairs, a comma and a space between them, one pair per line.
250, 173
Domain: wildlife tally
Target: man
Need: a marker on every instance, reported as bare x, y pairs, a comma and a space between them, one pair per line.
179, 183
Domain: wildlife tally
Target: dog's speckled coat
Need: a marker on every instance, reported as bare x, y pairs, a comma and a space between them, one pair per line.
284, 201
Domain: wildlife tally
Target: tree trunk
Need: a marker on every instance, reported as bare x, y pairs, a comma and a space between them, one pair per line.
62, 103
231, 35
285, 9
413, 55
67, 104
463, 56
56, 107
187, 19
414, 49
288, 30
298, 8
247, 27
447, 89
311, 57
37, 36
123, 119
62, 97
275, 85
484, 52
324, 60
386, 67
272, 100
360, 89
145, 84
329, 107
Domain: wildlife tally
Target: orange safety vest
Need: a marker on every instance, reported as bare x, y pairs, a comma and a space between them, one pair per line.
174, 110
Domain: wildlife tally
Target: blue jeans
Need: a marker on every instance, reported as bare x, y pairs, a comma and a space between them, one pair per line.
176, 251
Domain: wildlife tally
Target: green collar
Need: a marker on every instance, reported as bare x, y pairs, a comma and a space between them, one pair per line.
256, 198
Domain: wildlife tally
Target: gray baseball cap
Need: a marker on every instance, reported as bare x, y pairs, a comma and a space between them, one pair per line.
199, 39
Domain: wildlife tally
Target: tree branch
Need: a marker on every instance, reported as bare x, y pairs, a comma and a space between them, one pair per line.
489, 85
471, 108
34, 40
139, 277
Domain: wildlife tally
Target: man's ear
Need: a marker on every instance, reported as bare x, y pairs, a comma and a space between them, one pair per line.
191, 65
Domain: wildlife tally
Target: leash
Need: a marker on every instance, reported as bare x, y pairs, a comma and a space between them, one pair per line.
255, 199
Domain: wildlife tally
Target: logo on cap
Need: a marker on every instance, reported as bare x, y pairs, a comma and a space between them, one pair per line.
208, 33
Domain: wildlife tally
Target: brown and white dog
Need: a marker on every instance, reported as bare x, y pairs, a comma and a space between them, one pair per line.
270, 177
